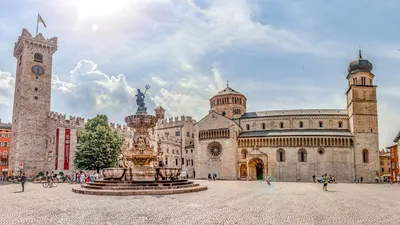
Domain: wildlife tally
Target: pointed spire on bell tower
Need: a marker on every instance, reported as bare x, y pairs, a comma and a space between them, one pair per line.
227, 83
359, 53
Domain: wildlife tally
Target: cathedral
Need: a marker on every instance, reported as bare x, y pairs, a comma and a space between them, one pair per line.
289, 145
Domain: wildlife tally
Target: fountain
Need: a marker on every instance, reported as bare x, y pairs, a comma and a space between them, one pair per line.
139, 171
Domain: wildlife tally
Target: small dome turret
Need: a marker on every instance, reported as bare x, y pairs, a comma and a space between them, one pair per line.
360, 65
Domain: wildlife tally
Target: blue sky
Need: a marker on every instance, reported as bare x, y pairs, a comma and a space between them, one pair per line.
280, 54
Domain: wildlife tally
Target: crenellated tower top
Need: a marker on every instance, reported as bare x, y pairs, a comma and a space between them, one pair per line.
38, 43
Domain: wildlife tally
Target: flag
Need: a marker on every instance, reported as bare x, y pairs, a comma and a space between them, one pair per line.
40, 20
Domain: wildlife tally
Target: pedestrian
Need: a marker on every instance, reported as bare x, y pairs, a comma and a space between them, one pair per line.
267, 180
23, 180
391, 179
325, 181
209, 176
313, 177
362, 179
214, 176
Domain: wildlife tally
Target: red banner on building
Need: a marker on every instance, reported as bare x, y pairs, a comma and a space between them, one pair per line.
67, 148
56, 156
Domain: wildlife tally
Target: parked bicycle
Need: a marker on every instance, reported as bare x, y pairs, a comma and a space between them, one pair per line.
50, 184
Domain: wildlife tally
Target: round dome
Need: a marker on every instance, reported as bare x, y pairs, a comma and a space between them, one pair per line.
360, 64
227, 91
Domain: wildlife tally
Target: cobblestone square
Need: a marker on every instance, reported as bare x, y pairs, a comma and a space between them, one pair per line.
226, 202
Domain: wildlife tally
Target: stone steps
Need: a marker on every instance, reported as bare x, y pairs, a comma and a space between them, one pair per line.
134, 187
105, 184
82, 190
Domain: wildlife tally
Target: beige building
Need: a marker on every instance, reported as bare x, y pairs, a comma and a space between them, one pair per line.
292, 145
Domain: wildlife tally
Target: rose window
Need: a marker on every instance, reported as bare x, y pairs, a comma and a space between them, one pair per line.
215, 149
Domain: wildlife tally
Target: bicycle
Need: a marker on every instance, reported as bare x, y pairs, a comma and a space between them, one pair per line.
50, 184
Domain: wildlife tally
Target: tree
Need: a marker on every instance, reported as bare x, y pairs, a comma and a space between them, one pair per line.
98, 146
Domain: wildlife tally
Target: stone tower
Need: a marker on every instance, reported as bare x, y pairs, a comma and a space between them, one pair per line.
31, 102
363, 118
228, 103
160, 112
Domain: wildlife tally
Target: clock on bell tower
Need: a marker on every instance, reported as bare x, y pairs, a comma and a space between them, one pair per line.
31, 102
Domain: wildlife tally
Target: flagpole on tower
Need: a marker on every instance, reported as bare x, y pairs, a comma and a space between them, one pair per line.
37, 24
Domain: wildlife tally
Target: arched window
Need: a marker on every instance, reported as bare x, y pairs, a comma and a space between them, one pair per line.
38, 57
247, 127
302, 155
244, 153
280, 155
321, 124
263, 126
301, 124
340, 124
281, 124
365, 156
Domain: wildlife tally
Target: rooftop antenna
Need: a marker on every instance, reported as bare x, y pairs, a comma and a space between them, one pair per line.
359, 53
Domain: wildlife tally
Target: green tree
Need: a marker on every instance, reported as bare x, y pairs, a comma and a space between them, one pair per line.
98, 146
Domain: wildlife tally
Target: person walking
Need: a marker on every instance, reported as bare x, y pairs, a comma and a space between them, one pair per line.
325, 179
209, 176
267, 180
313, 177
23, 180
362, 179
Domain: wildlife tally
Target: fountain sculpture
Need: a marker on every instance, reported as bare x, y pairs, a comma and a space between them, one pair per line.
139, 171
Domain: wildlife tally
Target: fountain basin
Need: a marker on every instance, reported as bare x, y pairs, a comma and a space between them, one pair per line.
113, 173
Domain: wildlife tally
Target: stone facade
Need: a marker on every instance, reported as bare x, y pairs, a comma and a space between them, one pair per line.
43, 140
290, 145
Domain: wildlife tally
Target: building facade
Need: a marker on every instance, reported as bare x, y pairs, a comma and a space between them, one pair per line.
394, 163
292, 145
5, 141
43, 140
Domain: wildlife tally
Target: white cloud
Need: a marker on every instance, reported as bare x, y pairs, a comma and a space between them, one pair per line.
7, 85
159, 81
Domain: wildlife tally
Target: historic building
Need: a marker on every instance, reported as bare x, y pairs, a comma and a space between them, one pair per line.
385, 165
292, 145
43, 140
5, 140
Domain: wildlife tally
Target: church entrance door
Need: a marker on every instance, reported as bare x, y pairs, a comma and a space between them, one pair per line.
259, 171
256, 169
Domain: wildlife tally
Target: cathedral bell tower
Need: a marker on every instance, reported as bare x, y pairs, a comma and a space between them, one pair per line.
31, 102
363, 118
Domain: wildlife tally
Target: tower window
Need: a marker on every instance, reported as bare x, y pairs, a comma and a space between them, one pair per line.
340, 124
20, 60
36, 89
301, 124
321, 124
36, 98
281, 124
247, 127
365, 156
263, 126
38, 57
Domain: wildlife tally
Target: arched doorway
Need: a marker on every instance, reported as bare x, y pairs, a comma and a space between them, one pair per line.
256, 169
243, 171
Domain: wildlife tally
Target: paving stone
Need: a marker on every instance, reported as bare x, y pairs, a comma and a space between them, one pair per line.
225, 202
